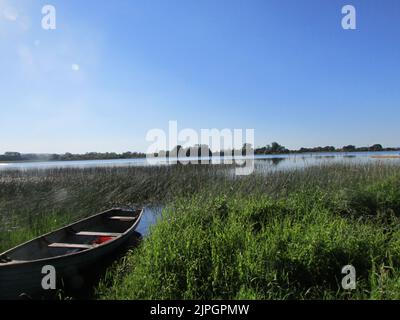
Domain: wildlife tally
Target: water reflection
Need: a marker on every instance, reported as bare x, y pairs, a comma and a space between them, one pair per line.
274, 161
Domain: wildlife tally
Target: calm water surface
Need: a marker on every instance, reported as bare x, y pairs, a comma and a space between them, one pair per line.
284, 161
150, 216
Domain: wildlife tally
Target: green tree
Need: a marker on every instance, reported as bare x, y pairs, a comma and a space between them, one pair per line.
349, 148
376, 147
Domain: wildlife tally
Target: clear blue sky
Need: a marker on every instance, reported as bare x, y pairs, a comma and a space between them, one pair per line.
112, 70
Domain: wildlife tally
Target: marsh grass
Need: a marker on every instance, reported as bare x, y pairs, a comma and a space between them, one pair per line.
21, 229
270, 235
283, 245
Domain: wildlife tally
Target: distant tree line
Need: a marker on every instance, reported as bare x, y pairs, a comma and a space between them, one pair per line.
273, 148
198, 150
348, 148
16, 156
97, 156
179, 151
276, 148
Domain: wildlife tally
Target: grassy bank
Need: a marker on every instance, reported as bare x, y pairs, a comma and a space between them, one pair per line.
282, 235
286, 245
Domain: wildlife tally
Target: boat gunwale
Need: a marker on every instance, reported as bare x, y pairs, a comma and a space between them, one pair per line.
59, 257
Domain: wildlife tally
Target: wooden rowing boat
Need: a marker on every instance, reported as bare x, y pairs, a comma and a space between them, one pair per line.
70, 250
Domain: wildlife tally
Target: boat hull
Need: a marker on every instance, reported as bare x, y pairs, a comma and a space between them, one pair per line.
25, 279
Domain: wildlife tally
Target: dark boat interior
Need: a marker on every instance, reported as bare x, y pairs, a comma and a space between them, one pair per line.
83, 235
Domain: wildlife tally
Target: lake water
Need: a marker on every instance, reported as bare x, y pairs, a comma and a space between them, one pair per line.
284, 161
149, 218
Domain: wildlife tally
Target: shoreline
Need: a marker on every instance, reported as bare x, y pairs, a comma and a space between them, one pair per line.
2, 162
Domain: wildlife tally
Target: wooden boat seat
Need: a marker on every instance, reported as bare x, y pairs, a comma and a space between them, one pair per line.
99, 234
124, 219
71, 246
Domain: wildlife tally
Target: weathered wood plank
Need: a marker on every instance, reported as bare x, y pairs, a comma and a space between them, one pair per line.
125, 219
98, 234
71, 245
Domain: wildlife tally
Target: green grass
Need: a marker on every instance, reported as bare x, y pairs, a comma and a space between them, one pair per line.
249, 246
21, 229
270, 235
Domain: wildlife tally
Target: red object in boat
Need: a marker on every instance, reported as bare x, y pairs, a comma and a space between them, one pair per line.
101, 240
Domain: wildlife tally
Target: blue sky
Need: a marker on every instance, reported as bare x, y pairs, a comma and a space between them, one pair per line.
112, 70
